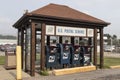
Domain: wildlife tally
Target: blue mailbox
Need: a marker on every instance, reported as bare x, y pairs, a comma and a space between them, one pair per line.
82, 53
75, 57
87, 55
65, 54
51, 56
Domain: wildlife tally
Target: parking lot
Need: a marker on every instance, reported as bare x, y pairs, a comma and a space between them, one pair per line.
7, 47
112, 54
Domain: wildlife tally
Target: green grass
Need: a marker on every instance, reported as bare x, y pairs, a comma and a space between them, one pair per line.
109, 61
2, 60
38, 56
44, 72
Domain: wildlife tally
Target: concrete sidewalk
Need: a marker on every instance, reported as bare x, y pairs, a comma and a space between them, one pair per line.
93, 75
10, 74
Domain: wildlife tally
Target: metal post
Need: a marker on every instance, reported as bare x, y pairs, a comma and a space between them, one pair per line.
48, 40
60, 39
18, 37
72, 41
22, 44
90, 44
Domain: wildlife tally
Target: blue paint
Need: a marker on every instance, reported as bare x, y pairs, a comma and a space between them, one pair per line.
79, 31
68, 31
60, 30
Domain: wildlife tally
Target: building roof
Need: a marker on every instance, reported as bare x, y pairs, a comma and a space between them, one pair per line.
62, 11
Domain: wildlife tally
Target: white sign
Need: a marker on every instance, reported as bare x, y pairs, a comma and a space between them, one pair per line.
90, 32
70, 31
50, 30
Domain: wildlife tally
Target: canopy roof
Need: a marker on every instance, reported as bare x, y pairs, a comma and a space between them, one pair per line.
64, 12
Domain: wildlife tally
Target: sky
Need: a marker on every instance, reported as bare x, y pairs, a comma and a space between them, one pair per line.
107, 10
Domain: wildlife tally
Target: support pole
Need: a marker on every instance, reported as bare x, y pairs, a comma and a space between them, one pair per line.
48, 40
90, 44
101, 49
72, 41
35, 44
43, 46
18, 37
18, 67
33, 49
22, 44
60, 39
95, 47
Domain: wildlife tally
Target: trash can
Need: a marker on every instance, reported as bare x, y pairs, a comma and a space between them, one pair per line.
10, 60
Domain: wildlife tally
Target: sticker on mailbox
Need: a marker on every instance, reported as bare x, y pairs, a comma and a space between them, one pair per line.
65, 55
51, 58
76, 56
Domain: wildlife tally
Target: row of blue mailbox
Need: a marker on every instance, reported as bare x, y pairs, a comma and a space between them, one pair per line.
65, 54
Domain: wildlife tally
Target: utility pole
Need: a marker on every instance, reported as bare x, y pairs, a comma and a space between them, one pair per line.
111, 44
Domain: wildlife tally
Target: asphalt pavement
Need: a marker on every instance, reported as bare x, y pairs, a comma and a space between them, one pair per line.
104, 74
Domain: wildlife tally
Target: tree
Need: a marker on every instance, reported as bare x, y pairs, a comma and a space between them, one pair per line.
114, 40
114, 37
107, 35
7, 37
108, 38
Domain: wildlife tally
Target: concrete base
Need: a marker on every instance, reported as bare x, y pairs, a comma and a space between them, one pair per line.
10, 74
73, 70
113, 67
